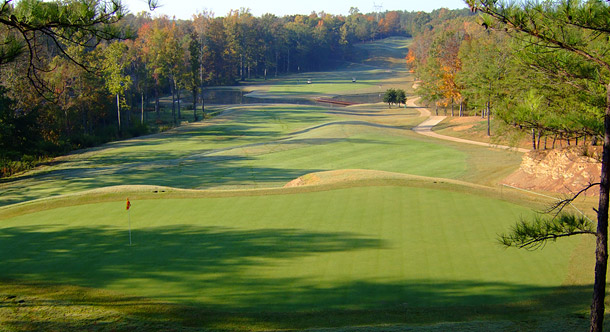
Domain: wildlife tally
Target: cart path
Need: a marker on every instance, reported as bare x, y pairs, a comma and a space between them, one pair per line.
425, 128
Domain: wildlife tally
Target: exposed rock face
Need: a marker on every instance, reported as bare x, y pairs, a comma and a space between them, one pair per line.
562, 170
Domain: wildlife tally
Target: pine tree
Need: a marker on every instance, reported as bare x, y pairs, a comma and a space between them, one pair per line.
575, 30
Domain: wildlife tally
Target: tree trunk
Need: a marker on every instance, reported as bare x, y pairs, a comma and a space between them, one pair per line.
127, 119
83, 118
118, 111
241, 67
201, 82
452, 113
142, 115
601, 251
545, 138
157, 102
534, 138
171, 87
178, 95
195, 103
489, 120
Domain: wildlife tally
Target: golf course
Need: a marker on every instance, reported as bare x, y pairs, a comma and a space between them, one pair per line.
284, 216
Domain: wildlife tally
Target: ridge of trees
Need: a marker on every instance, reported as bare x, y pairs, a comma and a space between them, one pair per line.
85, 86
541, 67
470, 64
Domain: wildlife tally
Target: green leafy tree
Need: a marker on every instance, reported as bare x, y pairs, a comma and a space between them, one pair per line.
435, 61
577, 32
175, 62
29, 26
47, 45
152, 49
117, 82
401, 97
487, 63
193, 76
390, 97
17, 133
200, 25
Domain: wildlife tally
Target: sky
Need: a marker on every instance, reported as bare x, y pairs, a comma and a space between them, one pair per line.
184, 9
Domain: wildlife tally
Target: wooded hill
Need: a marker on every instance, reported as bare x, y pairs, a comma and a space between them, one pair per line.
473, 66
62, 91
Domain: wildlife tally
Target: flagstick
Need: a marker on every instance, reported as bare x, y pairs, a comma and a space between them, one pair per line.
129, 219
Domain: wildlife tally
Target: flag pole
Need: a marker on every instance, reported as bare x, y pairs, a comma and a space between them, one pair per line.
129, 220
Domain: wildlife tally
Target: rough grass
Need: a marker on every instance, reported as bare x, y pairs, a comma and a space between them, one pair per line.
474, 128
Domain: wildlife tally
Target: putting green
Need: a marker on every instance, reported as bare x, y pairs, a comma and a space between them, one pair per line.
357, 248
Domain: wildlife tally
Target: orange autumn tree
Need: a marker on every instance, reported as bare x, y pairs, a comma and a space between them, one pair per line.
435, 61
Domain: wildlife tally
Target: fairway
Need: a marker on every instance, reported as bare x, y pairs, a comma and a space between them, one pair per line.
285, 217
358, 248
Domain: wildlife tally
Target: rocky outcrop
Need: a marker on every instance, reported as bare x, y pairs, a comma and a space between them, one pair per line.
562, 170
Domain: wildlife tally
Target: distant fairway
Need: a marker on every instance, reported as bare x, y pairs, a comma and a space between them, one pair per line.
386, 230
264, 146
376, 67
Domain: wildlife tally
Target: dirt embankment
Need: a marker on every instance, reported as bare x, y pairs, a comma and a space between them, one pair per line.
561, 170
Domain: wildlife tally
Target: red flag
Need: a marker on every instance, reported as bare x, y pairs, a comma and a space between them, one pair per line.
128, 204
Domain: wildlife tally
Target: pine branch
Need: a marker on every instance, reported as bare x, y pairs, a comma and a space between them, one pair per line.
535, 234
560, 205
525, 22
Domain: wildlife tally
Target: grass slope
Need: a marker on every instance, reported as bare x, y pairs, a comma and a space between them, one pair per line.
362, 249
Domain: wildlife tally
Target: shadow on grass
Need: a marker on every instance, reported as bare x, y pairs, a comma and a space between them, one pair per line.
86, 309
204, 273
566, 305
194, 172
183, 255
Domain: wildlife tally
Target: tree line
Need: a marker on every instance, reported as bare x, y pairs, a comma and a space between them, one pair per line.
554, 72
473, 66
79, 73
